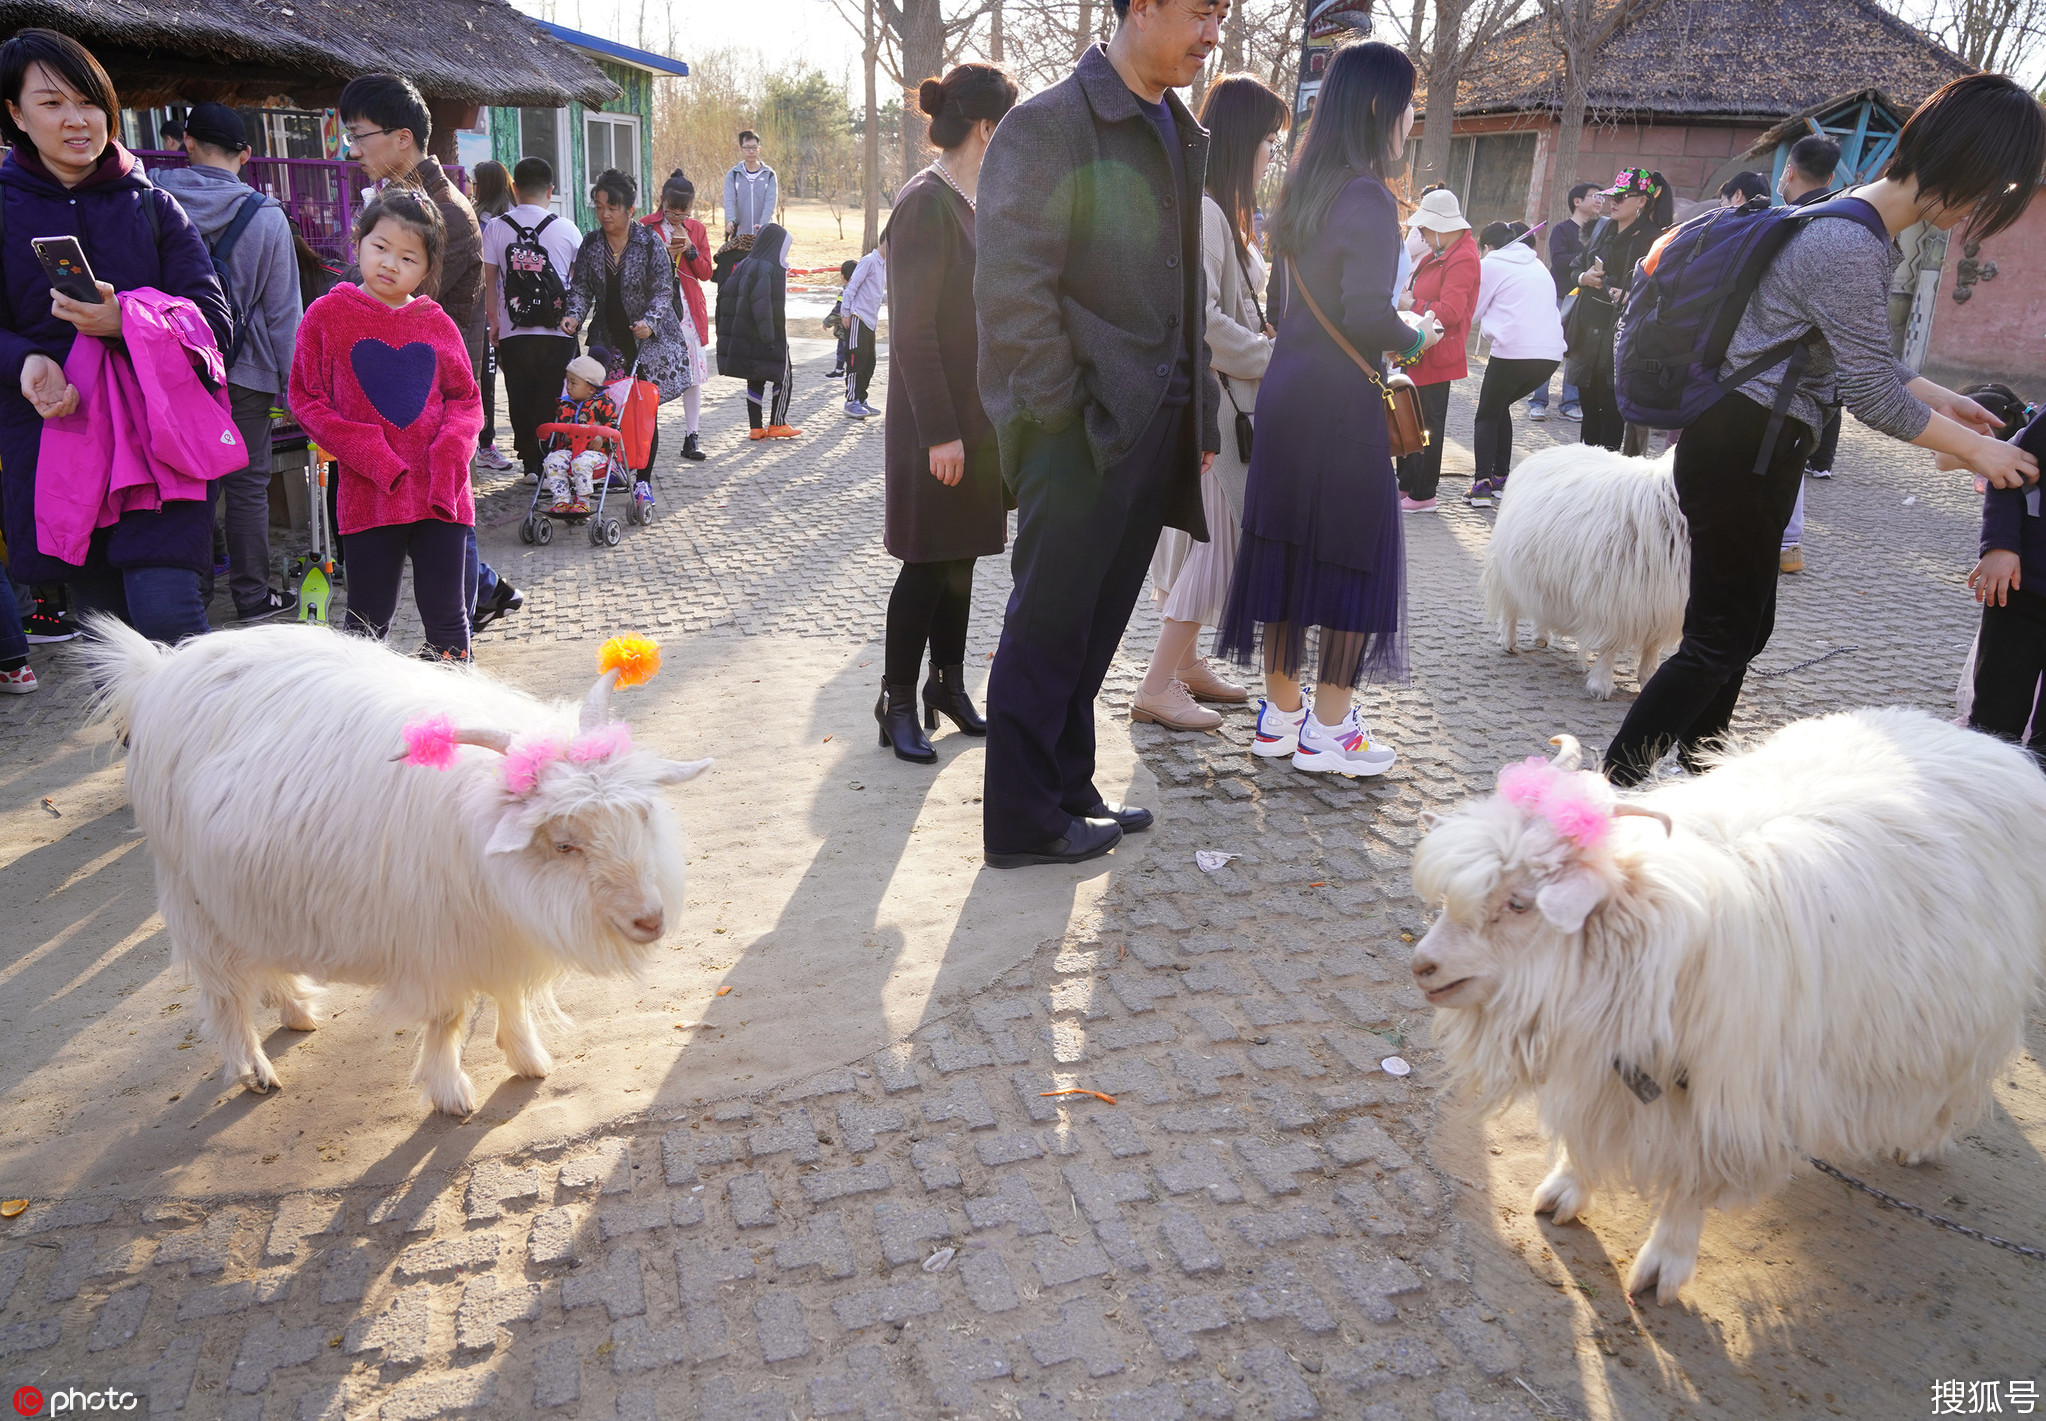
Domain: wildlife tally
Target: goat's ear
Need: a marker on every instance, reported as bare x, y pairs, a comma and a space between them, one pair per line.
1569, 898
514, 829
673, 772
1429, 819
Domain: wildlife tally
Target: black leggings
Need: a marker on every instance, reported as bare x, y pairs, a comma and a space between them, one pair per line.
1420, 473
1506, 382
2010, 656
1737, 523
440, 557
1603, 424
928, 607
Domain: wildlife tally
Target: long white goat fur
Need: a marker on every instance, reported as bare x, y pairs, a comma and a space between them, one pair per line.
286, 841
1591, 545
1837, 948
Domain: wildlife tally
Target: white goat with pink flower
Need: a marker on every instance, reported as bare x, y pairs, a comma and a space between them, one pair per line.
1824, 946
322, 809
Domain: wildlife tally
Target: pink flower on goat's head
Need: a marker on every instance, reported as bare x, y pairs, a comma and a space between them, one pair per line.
602, 743
430, 742
1578, 804
524, 761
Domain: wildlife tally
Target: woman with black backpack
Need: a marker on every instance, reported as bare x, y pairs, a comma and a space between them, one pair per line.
1975, 152
1639, 208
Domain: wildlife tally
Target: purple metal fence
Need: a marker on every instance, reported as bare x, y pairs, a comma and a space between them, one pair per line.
320, 195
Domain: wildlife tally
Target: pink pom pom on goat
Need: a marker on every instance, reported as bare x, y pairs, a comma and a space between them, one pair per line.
430, 742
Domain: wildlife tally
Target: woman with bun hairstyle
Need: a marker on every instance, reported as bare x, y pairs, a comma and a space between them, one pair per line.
689, 246
1244, 120
945, 500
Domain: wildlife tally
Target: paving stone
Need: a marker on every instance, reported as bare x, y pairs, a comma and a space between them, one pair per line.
323, 1401
1172, 1322
700, 1337
896, 1068
792, 1134
891, 1304
1380, 1362
640, 1215
826, 1185
1282, 1012
838, 1082
1362, 1139
1140, 994
268, 1345
1280, 1291
685, 1151
1286, 1393
1277, 1226
299, 1217
1213, 975
487, 1305
949, 1055
1274, 1168
986, 1279
206, 1247
1133, 1078
1189, 1242
1456, 1405
1152, 1403
1080, 1335
415, 1208
1283, 1053
822, 1245
32, 1336
1205, 1120
609, 1169
964, 1103
778, 1323
557, 1374
439, 1396
905, 1229
120, 1317
1360, 1050
1199, 1168
442, 1255
1031, 1088
752, 1205
1080, 994
74, 1264
951, 1364
165, 1383
1368, 1209
1012, 1202
933, 1163
861, 1388
552, 1238
858, 1125
494, 1182
700, 1270
727, 1111
1154, 1031
12, 1266
1288, 978
721, 1400
1371, 1285
1119, 1132
1067, 1040
1285, 1110
272, 1286
1214, 1023
996, 1150
400, 1329
619, 1286
69, 1214
346, 1277
1485, 1345
1203, 1074
992, 1019
1059, 1262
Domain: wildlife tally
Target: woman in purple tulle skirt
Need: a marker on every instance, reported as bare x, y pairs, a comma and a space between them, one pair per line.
1322, 545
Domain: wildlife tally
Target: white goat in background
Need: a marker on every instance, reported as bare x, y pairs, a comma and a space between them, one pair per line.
1591, 545
290, 848
1830, 951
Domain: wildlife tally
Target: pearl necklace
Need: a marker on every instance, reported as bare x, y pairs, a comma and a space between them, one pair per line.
938, 167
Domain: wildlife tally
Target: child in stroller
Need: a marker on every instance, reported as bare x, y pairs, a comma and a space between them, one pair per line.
570, 472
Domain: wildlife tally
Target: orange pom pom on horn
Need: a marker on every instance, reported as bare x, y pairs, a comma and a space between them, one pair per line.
637, 659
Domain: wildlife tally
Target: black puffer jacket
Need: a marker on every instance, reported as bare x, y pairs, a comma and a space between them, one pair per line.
753, 341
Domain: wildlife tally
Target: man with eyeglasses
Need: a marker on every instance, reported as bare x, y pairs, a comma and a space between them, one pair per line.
1094, 369
388, 128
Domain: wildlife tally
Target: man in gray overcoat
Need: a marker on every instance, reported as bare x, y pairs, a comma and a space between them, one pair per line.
1094, 371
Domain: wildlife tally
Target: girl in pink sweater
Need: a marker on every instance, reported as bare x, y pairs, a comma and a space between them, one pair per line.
381, 381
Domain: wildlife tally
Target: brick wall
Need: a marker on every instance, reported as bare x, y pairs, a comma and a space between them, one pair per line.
1999, 333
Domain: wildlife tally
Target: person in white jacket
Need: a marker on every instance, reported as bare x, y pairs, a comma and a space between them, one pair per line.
1517, 312
860, 304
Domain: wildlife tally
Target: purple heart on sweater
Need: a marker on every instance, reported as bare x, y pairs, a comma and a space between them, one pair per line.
397, 379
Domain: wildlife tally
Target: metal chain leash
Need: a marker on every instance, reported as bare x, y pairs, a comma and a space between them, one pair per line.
1926, 1214
1836, 651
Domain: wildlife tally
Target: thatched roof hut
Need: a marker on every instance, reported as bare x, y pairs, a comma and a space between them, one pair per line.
300, 52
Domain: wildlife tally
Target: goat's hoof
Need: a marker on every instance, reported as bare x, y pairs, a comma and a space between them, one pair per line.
454, 1098
298, 1019
1562, 1195
1665, 1274
533, 1065
259, 1080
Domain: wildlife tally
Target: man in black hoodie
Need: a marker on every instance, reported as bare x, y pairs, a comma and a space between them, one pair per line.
753, 336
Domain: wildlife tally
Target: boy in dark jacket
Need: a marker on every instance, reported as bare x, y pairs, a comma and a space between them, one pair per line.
2010, 654
753, 340
834, 321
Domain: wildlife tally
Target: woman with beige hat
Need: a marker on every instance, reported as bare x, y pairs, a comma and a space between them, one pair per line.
1446, 287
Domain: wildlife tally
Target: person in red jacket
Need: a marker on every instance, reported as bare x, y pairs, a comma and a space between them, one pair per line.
1446, 287
381, 381
688, 245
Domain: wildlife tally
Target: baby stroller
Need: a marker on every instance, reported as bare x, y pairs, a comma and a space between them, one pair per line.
628, 459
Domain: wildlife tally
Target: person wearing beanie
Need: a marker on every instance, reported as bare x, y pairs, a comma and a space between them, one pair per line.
573, 465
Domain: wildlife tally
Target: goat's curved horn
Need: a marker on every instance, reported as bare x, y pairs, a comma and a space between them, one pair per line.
1638, 811
597, 704
1569, 754
498, 740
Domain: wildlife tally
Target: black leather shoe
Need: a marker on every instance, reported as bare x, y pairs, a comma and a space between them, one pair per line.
1084, 839
896, 714
1128, 817
945, 694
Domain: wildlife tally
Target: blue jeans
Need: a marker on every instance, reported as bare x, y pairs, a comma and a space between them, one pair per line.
479, 579
162, 603
1539, 400
13, 641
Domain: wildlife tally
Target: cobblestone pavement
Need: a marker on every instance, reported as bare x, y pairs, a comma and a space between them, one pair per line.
1262, 1224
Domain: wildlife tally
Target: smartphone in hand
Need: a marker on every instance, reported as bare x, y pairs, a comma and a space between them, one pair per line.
64, 263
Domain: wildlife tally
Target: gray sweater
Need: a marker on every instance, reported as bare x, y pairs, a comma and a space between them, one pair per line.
263, 267
750, 201
1833, 275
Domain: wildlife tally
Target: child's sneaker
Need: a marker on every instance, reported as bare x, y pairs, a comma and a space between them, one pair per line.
18, 682
1481, 495
854, 409
1278, 732
492, 458
1344, 749
782, 431
1537, 413
558, 498
756, 434
43, 627
1416, 505
643, 495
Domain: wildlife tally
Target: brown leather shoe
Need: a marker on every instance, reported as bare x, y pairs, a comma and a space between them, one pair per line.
1791, 559
1174, 709
1203, 684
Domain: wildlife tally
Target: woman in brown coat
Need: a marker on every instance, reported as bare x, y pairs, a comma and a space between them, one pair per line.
945, 504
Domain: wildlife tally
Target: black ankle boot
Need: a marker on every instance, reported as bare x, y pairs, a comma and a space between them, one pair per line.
690, 451
896, 712
945, 693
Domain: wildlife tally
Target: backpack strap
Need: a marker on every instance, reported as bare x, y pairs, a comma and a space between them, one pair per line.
223, 245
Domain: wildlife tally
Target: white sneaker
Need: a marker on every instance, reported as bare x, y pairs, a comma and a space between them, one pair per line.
1346, 749
1278, 732
491, 457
